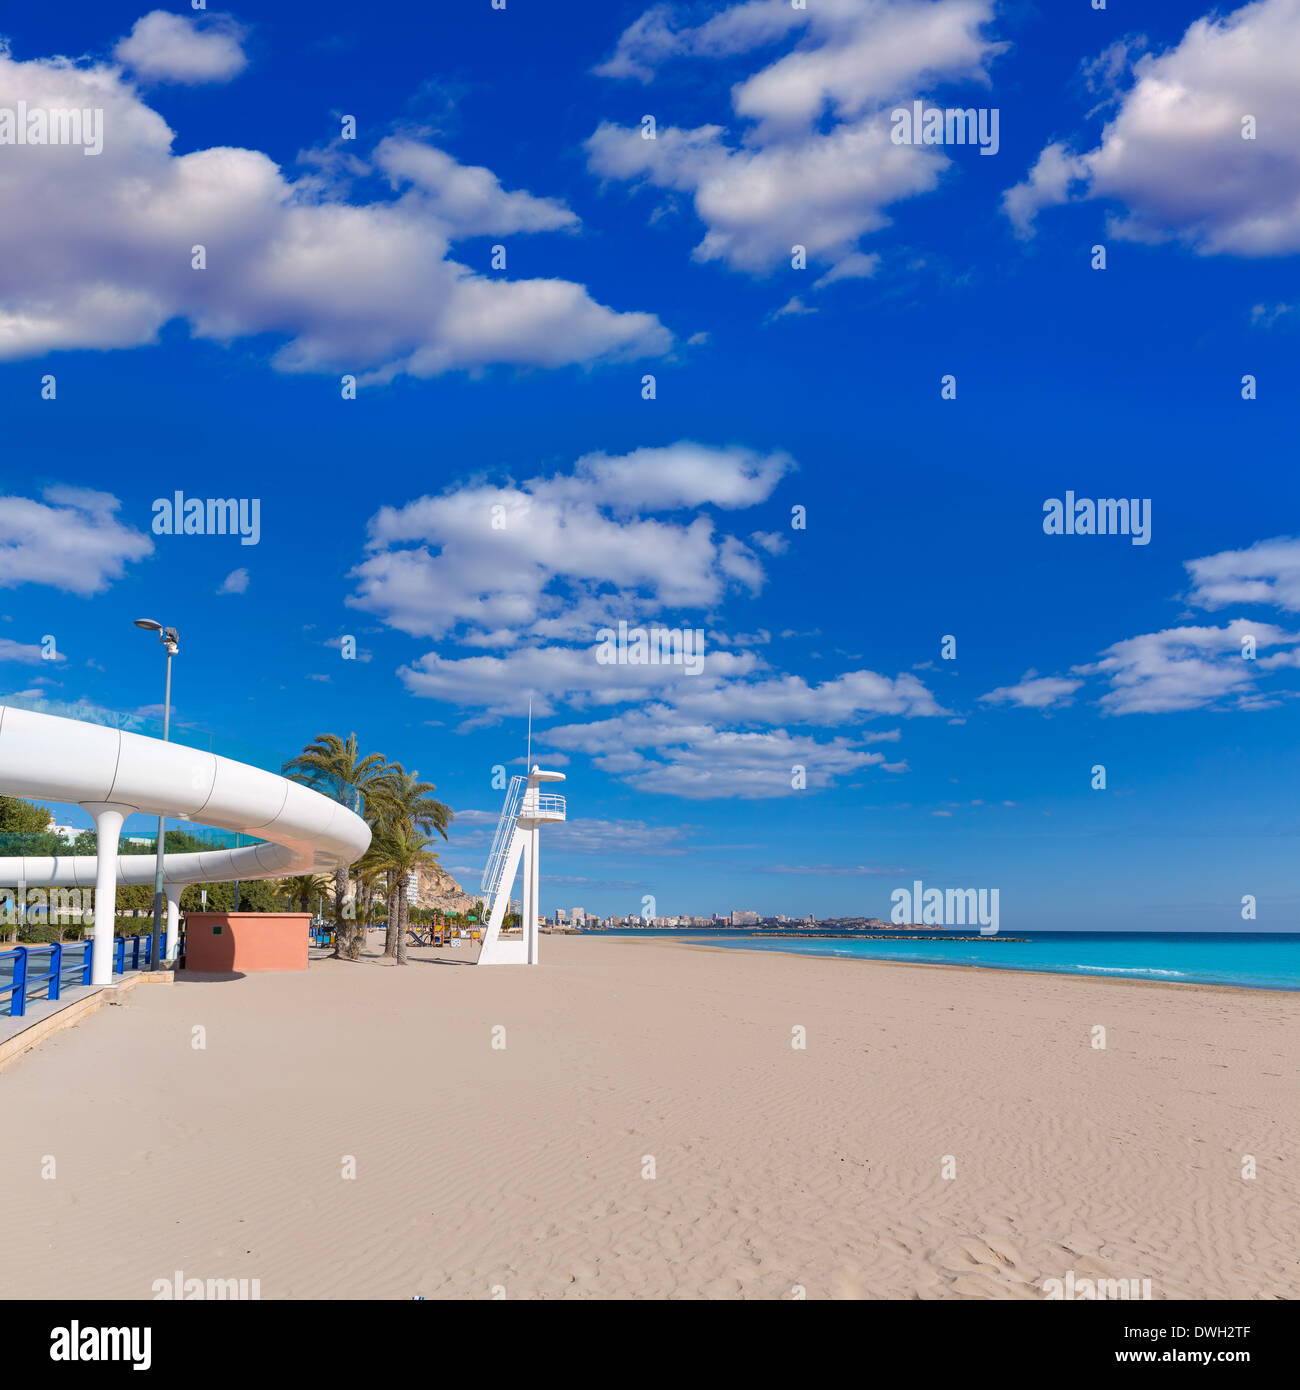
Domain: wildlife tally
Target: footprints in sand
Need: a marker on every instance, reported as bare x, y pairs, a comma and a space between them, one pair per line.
982, 1267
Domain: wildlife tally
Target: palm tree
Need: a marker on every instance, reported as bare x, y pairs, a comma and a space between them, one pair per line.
404, 805
334, 767
302, 890
366, 871
402, 849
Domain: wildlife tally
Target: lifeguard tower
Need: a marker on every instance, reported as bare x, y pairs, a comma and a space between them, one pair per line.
527, 809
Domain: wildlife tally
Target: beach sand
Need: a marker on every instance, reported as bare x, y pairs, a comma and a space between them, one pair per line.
520, 1169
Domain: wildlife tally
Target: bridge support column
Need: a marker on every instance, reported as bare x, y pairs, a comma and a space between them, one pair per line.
173, 892
108, 826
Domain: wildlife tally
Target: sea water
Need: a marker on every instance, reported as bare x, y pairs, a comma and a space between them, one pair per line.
1253, 960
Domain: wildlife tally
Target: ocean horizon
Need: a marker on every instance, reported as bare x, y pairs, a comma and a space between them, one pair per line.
1248, 960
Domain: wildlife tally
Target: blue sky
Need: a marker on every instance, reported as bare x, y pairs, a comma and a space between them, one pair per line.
775, 388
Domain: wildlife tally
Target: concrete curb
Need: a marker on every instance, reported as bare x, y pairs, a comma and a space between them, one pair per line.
73, 1012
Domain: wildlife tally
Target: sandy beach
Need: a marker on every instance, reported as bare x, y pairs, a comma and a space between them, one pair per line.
777, 1171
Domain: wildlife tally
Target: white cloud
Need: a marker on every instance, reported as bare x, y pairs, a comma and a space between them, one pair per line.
166, 47
236, 582
468, 201
771, 541
852, 54
829, 870
787, 699
701, 761
553, 676
1267, 572
584, 834
1280, 661
534, 569
1184, 668
855, 266
1172, 155
586, 882
1034, 692
559, 557
371, 288
359, 654
1191, 667
1266, 315
651, 40
1047, 184
815, 166
29, 654
794, 307
587, 835
72, 540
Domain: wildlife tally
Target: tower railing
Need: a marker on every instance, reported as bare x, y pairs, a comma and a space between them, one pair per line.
496, 861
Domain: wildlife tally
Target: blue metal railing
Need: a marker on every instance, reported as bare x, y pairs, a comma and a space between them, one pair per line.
64, 969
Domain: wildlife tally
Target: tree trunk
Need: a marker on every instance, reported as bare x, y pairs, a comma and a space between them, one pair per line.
403, 912
390, 935
347, 941
340, 896
357, 931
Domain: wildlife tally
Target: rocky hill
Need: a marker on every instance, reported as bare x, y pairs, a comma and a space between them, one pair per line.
438, 889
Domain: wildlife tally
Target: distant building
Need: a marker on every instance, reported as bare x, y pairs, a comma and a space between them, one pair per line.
743, 917
561, 916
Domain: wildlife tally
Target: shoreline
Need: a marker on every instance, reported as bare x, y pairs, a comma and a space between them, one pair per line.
985, 969
977, 969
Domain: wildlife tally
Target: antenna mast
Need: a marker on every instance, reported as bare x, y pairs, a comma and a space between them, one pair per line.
528, 760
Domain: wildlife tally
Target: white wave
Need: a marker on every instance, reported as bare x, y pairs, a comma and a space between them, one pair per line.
1126, 970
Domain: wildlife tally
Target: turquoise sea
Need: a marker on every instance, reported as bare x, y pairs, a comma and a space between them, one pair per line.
1253, 960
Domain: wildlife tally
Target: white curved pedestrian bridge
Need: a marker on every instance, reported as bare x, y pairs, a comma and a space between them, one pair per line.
113, 773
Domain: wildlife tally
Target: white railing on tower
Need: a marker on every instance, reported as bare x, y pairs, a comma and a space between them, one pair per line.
501, 840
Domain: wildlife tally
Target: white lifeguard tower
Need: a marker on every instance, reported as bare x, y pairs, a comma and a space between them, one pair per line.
526, 810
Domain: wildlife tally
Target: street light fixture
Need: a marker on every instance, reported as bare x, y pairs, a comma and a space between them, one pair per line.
170, 639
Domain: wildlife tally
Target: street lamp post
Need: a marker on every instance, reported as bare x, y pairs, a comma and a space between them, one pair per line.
170, 639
